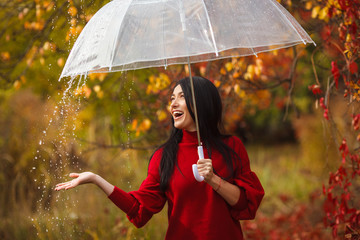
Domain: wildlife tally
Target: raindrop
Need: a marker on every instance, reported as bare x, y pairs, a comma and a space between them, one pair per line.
40, 142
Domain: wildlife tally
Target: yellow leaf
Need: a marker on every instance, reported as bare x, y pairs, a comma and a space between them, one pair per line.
38, 12
323, 14
237, 89
46, 46
97, 88
315, 11
17, 84
145, 125
149, 89
348, 21
348, 38
349, 54
229, 66
100, 76
249, 75
275, 52
165, 80
158, 83
161, 115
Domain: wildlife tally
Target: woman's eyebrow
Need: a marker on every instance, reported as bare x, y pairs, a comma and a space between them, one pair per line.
177, 93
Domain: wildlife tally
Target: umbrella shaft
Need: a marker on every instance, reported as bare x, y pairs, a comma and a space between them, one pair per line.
194, 104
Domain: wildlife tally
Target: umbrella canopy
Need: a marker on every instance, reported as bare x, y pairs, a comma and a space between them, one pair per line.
133, 34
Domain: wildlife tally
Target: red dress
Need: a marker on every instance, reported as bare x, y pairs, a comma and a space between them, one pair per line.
195, 210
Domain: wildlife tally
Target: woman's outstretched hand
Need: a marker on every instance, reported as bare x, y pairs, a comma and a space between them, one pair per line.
79, 178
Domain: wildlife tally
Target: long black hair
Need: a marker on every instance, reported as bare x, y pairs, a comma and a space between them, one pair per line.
209, 109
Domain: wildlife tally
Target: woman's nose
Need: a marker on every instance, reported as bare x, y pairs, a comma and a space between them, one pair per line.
173, 103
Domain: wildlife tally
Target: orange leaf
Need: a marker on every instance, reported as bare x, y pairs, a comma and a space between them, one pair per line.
72, 11
5, 56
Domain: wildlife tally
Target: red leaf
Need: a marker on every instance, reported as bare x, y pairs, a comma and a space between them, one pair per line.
315, 89
356, 121
344, 149
353, 67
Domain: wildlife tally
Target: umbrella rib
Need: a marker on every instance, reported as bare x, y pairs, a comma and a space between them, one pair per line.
211, 30
163, 34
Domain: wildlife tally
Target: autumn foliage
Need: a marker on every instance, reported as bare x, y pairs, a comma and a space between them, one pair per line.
36, 37
341, 38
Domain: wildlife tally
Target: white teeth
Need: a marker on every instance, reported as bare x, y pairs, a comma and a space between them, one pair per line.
177, 113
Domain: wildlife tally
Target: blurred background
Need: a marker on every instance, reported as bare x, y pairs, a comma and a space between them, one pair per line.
296, 110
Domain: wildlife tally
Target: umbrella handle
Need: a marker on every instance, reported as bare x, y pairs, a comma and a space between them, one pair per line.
194, 166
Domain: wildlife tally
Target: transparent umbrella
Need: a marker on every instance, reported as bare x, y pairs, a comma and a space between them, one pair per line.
133, 34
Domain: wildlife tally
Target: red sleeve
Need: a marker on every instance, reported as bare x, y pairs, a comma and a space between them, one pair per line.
140, 205
251, 190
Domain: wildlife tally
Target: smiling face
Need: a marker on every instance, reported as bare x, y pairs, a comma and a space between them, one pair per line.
180, 112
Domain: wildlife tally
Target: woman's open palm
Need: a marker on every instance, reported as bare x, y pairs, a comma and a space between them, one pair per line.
79, 178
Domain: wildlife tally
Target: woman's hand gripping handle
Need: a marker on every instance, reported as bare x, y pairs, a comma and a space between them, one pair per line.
194, 166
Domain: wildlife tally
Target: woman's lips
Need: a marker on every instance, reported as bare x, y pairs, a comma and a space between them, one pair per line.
177, 114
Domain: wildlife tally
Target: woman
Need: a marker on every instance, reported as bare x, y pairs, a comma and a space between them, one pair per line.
196, 210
